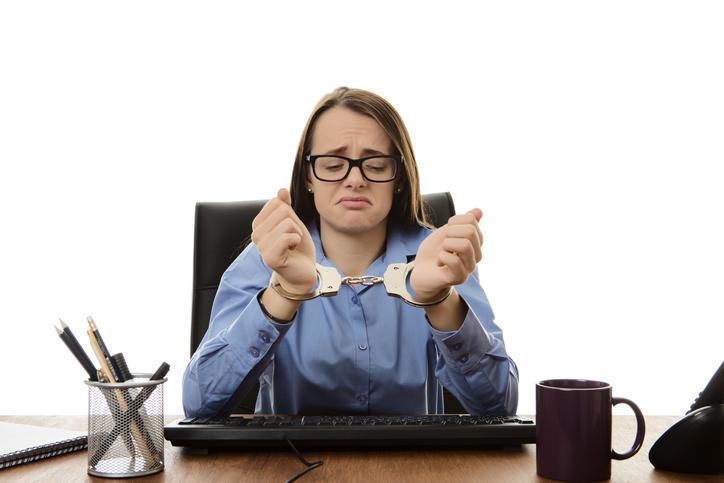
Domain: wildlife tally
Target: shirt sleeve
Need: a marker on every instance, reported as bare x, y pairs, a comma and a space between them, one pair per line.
239, 342
473, 363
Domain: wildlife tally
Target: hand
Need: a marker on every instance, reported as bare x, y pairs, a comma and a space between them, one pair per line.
447, 256
285, 244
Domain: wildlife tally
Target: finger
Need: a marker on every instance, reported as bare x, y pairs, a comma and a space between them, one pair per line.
469, 218
453, 269
267, 216
283, 194
268, 239
463, 249
271, 218
282, 213
477, 213
468, 232
464, 231
265, 211
281, 246
282, 197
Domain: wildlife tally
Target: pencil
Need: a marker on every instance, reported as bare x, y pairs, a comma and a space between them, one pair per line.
104, 350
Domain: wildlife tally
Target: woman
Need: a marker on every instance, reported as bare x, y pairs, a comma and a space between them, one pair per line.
355, 205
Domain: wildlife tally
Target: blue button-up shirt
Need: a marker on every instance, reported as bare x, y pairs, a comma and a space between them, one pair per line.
361, 352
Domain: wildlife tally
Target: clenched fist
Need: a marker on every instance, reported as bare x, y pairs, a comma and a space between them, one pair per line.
447, 256
285, 244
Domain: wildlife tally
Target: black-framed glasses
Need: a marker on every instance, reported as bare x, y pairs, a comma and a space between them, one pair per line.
377, 169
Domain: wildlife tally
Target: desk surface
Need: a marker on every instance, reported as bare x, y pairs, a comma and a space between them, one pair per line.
437, 466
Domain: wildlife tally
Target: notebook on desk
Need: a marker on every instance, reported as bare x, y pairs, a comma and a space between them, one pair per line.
23, 443
434, 431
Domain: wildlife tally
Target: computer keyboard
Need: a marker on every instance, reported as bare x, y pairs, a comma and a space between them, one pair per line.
344, 432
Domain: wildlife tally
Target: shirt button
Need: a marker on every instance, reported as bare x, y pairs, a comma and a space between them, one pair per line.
456, 347
362, 398
354, 299
264, 336
362, 347
463, 359
254, 352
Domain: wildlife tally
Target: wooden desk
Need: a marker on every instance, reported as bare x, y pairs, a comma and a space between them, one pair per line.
433, 466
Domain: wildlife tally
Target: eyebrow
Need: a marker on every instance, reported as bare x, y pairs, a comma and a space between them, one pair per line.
342, 149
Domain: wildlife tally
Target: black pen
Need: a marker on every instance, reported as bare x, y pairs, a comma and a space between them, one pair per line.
69, 339
160, 372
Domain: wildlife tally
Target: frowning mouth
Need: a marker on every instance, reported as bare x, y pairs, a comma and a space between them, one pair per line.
354, 202
354, 198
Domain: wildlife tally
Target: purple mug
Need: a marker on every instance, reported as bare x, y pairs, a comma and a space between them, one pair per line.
573, 429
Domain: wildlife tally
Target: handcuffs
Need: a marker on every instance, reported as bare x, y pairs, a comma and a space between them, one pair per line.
330, 281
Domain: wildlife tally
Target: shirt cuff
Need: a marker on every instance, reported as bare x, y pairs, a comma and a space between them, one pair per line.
463, 348
253, 334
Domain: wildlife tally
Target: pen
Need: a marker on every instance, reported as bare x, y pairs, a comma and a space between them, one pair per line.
106, 353
69, 340
160, 372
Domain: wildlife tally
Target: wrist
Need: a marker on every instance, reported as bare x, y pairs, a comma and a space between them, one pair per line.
301, 289
296, 292
277, 308
441, 296
449, 314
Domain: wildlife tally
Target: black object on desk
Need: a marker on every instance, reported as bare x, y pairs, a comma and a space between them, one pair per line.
695, 444
334, 432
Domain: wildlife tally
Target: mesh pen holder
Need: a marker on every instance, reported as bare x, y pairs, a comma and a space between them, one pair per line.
125, 427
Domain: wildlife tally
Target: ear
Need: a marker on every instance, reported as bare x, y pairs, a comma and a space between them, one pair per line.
309, 183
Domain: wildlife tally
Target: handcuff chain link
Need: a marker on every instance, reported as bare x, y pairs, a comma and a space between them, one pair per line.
363, 280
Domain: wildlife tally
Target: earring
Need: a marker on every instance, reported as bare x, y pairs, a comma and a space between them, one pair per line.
398, 190
310, 190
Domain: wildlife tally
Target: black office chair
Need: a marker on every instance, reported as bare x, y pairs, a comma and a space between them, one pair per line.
221, 227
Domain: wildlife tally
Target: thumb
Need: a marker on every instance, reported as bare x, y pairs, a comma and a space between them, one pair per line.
283, 194
477, 213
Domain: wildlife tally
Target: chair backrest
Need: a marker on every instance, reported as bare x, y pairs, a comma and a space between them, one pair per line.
222, 227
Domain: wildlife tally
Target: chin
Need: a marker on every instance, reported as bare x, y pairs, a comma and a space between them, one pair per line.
354, 224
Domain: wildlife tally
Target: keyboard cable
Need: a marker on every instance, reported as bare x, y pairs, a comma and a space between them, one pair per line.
309, 466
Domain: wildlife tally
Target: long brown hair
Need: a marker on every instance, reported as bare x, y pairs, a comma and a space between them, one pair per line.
407, 208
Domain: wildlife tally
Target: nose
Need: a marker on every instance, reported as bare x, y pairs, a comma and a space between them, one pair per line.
355, 178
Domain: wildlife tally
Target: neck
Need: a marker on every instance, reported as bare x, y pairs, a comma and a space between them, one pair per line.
353, 253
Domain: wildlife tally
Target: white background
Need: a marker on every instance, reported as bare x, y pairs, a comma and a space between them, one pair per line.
589, 133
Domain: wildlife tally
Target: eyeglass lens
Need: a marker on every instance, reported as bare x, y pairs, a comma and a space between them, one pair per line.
330, 168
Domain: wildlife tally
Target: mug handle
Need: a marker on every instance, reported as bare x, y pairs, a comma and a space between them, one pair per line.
640, 429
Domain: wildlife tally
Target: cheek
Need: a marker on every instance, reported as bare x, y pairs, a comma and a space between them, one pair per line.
385, 198
323, 196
